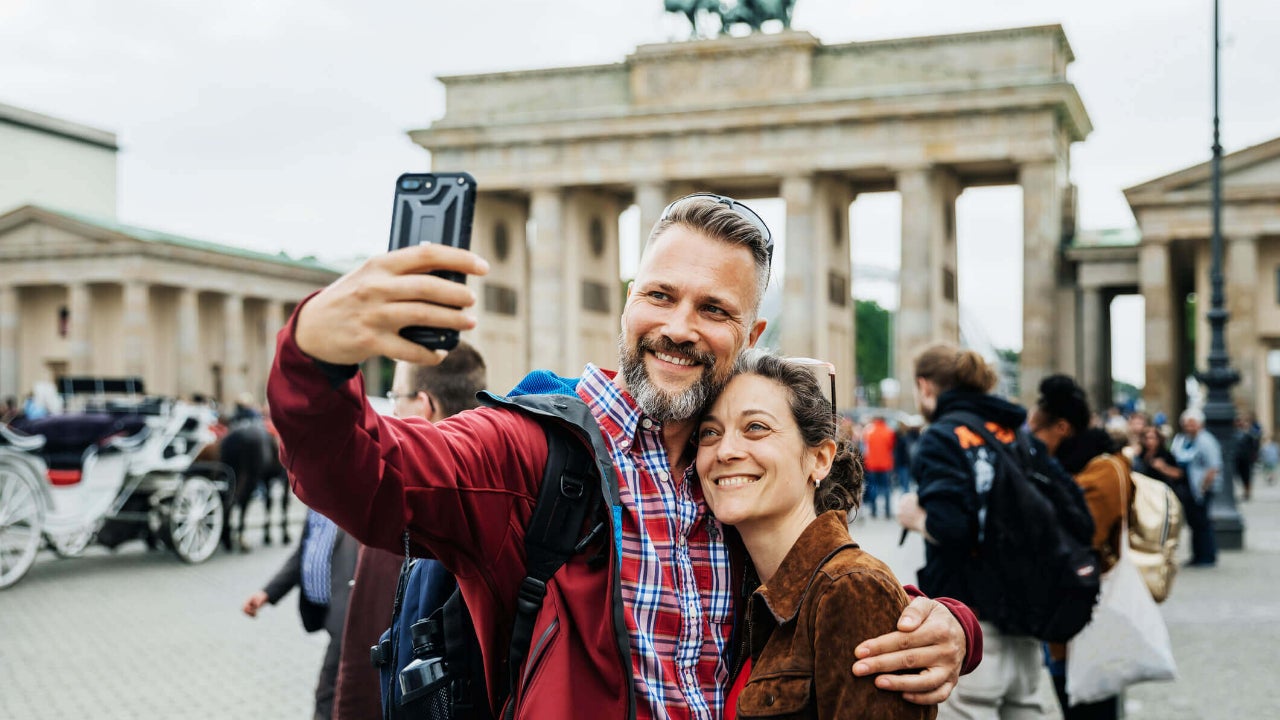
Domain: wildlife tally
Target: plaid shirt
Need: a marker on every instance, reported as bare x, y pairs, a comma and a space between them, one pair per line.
675, 568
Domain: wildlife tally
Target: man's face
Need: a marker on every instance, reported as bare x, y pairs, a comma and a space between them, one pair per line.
1190, 426
686, 321
408, 403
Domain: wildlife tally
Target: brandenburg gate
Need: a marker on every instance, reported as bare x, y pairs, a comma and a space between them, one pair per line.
560, 153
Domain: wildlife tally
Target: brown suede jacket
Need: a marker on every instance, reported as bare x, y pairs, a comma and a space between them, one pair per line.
826, 598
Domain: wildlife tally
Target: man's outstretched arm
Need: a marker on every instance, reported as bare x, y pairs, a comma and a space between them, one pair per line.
936, 642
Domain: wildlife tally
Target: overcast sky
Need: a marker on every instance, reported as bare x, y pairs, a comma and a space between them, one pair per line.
280, 124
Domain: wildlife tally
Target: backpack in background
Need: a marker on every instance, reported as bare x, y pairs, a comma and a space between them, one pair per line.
429, 661
1035, 572
1155, 525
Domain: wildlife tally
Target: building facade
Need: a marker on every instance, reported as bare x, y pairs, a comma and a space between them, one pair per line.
86, 296
56, 163
559, 153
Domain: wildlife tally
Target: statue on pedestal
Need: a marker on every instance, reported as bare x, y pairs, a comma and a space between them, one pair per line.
752, 13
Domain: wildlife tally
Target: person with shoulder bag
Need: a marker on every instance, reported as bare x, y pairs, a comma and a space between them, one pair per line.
1061, 421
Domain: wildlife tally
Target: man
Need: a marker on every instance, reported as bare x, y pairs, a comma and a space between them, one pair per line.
644, 632
879, 440
1200, 456
321, 568
431, 393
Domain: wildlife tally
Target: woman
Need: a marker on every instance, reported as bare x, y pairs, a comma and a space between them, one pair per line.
1156, 461
770, 466
1061, 421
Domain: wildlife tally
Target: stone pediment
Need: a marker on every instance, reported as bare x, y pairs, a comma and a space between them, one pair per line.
1247, 175
32, 230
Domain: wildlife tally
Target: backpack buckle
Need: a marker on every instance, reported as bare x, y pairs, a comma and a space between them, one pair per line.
572, 486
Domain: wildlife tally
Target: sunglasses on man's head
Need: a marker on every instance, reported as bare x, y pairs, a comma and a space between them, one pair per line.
742, 210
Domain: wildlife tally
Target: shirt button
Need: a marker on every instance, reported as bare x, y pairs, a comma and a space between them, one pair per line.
680, 541
768, 700
646, 423
664, 475
624, 444
351, 583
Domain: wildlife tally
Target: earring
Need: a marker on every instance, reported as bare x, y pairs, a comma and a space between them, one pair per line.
817, 482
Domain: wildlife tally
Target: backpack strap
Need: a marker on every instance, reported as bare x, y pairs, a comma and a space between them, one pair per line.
568, 494
1020, 453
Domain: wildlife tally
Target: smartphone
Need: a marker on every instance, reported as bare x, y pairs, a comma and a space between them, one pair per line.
433, 208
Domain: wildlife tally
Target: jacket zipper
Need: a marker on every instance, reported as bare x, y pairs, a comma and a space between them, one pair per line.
535, 657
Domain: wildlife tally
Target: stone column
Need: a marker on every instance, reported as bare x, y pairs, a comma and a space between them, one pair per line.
548, 284
190, 364
841, 329
651, 198
233, 375
9, 315
803, 316
501, 334
1241, 276
1162, 314
1092, 344
273, 321
1042, 189
134, 326
79, 329
927, 308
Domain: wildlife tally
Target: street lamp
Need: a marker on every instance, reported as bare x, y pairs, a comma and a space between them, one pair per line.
1219, 410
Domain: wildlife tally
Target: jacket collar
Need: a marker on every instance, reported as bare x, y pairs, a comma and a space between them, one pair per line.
824, 537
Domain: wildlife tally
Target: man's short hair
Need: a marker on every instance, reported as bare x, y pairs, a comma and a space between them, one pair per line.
454, 382
721, 222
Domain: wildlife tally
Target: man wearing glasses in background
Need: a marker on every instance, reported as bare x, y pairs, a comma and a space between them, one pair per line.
648, 632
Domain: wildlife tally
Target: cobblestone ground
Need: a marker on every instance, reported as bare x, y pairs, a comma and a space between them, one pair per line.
1224, 622
137, 634
132, 634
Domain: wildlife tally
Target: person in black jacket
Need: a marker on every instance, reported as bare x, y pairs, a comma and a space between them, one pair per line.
321, 568
951, 464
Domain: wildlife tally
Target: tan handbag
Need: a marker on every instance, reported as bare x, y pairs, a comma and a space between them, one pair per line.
1155, 525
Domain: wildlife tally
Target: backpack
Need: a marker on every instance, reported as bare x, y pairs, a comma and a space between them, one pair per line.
429, 660
1034, 572
1155, 524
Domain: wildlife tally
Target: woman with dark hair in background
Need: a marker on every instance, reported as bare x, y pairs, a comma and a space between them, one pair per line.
1155, 460
770, 465
1061, 421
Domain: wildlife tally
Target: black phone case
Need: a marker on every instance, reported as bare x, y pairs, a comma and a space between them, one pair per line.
433, 208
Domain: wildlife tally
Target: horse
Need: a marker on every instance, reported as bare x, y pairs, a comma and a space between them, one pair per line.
252, 455
691, 9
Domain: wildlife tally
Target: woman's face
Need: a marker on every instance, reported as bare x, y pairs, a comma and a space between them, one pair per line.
1048, 430
1151, 439
752, 461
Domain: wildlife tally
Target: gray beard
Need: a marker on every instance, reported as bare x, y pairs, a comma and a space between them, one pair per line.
656, 403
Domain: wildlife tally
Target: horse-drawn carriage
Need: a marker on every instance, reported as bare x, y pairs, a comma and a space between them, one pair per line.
119, 467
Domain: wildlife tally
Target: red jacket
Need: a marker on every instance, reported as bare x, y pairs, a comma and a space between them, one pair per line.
879, 439
465, 489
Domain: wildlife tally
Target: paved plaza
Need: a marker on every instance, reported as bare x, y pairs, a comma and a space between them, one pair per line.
133, 634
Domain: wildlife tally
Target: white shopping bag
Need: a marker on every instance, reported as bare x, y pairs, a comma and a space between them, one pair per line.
1126, 642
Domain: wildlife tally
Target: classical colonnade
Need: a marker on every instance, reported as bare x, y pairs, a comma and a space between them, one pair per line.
767, 116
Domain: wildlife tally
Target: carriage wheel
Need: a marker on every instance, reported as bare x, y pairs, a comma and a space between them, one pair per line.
21, 522
195, 519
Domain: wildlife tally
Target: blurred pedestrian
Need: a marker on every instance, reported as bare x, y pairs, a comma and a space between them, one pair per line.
903, 449
1246, 452
322, 568
1200, 456
879, 440
1060, 420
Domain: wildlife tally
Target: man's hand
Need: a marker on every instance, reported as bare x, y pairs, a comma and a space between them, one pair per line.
254, 603
360, 315
929, 641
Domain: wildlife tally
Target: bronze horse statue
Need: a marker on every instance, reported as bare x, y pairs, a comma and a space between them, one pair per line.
752, 13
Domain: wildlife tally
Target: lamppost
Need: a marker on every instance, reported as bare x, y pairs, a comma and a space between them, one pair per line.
1219, 410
